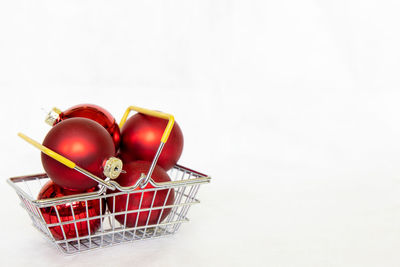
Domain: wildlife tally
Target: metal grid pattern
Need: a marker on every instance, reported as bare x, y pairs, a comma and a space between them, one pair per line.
185, 185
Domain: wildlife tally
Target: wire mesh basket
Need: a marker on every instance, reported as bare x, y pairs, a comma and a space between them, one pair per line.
185, 184
87, 221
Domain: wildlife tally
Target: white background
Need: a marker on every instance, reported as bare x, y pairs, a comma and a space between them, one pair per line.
291, 106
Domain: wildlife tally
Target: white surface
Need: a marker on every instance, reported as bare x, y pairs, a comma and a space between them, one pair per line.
291, 106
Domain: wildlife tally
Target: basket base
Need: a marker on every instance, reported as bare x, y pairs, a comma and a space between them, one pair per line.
110, 239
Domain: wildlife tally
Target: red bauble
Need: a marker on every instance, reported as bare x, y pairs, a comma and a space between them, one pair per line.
84, 142
141, 136
133, 172
81, 211
96, 113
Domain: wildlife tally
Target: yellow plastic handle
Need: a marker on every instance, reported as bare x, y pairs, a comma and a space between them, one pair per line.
48, 151
158, 114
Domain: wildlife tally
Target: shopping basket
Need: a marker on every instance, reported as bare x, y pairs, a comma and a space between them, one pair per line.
185, 184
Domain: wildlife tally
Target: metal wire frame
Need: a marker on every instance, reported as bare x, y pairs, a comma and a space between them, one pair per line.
185, 184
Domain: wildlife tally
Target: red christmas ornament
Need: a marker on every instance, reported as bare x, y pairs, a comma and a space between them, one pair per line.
140, 139
93, 208
89, 111
84, 142
133, 172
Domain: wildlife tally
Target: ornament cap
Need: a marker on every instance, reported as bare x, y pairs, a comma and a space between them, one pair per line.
112, 168
52, 116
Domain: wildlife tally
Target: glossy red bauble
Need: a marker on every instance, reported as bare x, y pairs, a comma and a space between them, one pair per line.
83, 141
96, 113
141, 136
81, 210
162, 197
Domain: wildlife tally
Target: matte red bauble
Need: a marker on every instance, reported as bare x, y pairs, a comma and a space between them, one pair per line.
81, 211
93, 112
83, 141
163, 197
141, 136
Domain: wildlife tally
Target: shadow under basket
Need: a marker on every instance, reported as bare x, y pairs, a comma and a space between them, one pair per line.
185, 184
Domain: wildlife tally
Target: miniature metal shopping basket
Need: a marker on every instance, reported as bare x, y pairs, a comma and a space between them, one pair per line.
185, 184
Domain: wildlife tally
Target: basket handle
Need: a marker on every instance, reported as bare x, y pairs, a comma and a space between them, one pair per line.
65, 161
164, 138
154, 113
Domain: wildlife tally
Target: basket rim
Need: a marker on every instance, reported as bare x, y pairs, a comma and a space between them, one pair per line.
41, 203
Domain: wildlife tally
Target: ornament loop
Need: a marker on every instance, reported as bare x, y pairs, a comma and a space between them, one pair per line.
112, 168
52, 116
